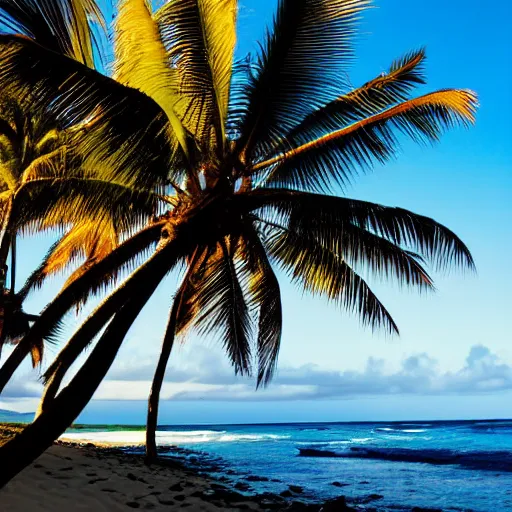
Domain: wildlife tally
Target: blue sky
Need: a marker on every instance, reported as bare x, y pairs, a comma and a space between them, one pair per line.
454, 356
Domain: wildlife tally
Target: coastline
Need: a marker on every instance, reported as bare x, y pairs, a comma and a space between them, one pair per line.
103, 477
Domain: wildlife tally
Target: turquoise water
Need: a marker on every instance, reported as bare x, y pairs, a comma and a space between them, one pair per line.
445, 465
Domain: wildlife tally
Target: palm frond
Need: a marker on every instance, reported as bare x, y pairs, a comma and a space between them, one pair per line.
63, 26
96, 278
57, 202
299, 69
119, 129
438, 244
320, 271
373, 97
223, 309
265, 296
333, 158
91, 241
141, 60
200, 37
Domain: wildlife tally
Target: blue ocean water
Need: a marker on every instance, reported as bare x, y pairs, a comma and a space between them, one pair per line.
464, 465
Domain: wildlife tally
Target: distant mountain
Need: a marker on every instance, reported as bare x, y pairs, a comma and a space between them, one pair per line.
15, 417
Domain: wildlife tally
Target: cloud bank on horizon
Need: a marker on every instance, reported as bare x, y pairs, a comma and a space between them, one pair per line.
207, 376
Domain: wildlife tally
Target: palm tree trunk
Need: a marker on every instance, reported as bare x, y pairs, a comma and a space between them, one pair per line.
5, 245
23, 449
13, 265
6, 236
156, 386
86, 333
69, 296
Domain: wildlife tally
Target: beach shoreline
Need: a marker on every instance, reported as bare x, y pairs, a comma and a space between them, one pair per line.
82, 476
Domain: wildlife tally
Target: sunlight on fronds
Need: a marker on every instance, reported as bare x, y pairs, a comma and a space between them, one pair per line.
142, 62
200, 36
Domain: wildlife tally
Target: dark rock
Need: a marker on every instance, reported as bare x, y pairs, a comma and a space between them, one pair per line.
296, 489
286, 494
364, 482
336, 505
131, 476
133, 504
255, 478
176, 487
217, 486
275, 480
339, 484
180, 497
183, 505
241, 486
67, 468
271, 505
38, 466
299, 506
97, 480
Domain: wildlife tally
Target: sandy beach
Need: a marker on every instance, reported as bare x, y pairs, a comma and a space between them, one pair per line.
89, 479
80, 476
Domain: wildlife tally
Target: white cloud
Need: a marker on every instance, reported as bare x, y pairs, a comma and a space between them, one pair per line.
205, 375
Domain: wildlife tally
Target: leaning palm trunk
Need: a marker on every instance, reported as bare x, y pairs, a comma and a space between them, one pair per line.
38, 436
74, 293
156, 386
67, 405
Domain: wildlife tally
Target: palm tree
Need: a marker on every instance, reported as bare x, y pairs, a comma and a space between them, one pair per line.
54, 177
28, 147
260, 159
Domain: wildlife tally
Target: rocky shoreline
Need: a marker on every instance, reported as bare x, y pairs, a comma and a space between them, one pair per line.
115, 478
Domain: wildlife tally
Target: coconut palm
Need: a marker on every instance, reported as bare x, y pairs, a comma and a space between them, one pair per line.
28, 147
93, 195
261, 154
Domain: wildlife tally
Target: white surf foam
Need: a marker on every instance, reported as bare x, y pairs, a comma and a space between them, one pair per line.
129, 438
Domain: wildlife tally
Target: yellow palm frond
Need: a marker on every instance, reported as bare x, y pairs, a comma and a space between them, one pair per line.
219, 19
91, 240
419, 117
200, 36
82, 39
141, 60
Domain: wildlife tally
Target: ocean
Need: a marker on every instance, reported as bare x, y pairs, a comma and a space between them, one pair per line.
452, 466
